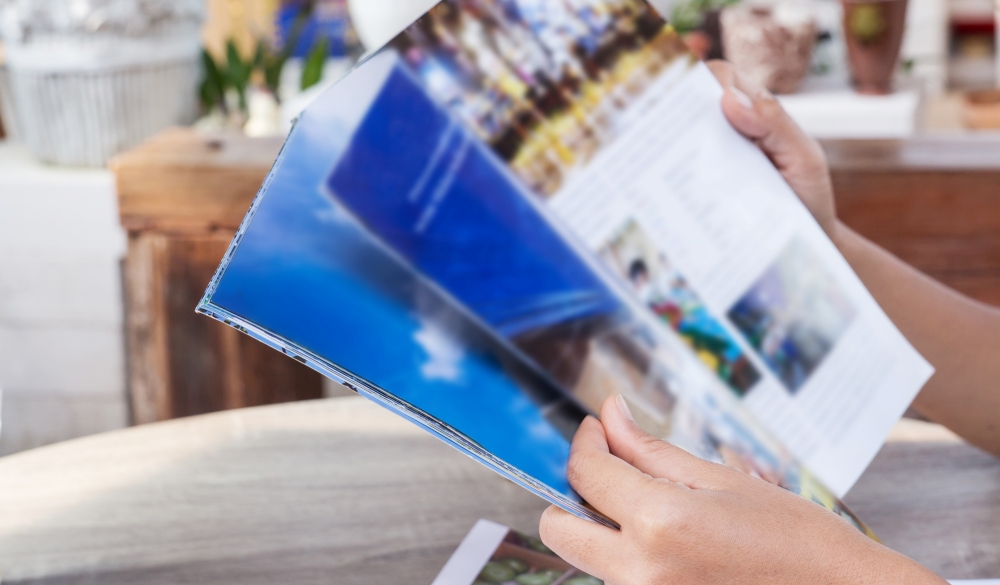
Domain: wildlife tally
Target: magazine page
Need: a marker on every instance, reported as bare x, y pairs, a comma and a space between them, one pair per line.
493, 554
440, 200
600, 113
304, 278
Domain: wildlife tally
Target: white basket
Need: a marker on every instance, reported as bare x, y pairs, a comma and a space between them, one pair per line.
86, 117
80, 101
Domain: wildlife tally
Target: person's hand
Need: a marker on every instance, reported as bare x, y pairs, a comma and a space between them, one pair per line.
686, 520
755, 113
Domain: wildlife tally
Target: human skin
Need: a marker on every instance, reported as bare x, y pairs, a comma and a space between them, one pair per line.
685, 520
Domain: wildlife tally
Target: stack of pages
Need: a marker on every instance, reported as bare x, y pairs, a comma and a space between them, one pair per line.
518, 208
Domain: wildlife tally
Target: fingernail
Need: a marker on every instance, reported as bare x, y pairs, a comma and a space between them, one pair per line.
623, 406
742, 98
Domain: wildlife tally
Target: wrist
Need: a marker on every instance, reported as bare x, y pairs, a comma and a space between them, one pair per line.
839, 234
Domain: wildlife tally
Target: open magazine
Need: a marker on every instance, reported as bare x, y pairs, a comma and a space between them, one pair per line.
519, 208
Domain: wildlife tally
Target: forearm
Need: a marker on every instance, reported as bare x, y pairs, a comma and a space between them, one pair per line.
887, 567
959, 336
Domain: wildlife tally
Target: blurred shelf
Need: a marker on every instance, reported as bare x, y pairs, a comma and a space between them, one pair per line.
829, 108
970, 154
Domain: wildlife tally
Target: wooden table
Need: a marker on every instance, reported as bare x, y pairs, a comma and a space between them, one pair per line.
340, 491
933, 201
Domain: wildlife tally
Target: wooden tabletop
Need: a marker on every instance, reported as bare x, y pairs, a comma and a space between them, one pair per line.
341, 491
182, 181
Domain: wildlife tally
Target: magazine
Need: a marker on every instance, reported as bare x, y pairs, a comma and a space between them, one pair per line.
492, 553
518, 208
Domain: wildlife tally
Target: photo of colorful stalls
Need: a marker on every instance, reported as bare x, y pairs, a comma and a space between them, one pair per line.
633, 256
793, 315
543, 82
524, 560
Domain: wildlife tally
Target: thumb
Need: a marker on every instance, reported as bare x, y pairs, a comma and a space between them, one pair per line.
801, 161
652, 456
756, 114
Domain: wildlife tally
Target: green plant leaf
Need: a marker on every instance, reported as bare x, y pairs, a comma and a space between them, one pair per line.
206, 97
273, 66
312, 71
239, 72
295, 32
234, 62
689, 15
213, 85
260, 55
272, 62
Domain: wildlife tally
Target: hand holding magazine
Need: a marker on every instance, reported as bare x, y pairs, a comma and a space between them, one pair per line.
517, 209
494, 554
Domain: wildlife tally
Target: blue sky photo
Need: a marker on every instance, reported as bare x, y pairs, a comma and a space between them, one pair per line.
307, 272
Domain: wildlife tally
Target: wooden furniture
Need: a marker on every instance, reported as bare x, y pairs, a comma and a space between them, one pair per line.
935, 499
181, 197
341, 491
934, 202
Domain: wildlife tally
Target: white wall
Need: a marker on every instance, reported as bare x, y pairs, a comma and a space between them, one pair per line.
61, 335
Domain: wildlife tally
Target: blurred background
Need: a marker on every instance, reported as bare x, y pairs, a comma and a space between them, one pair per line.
135, 133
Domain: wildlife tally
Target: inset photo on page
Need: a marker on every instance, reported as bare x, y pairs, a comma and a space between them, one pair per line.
633, 256
492, 554
793, 315
546, 84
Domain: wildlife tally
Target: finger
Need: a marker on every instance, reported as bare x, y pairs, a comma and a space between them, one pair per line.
742, 93
588, 546
652, 456
607, 483
723, 72
740, 99
756, 114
